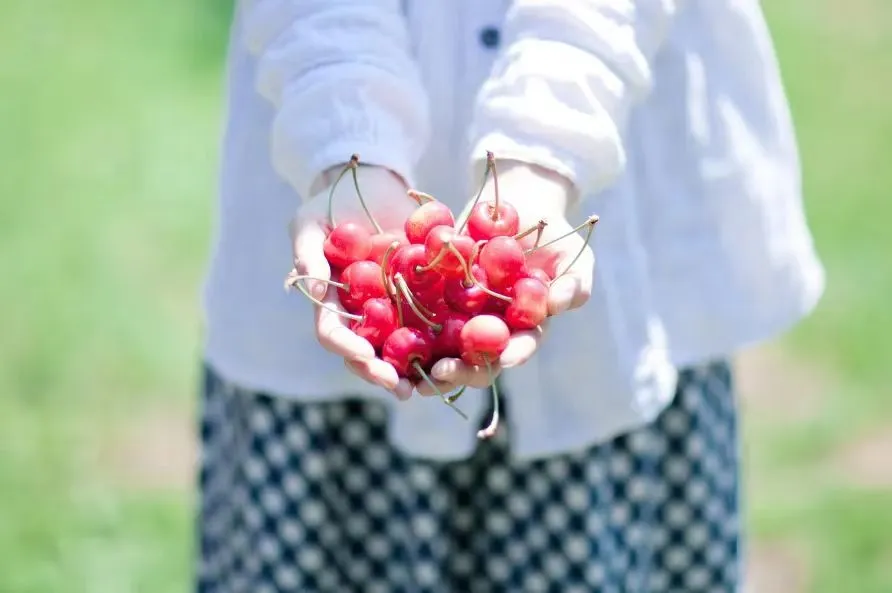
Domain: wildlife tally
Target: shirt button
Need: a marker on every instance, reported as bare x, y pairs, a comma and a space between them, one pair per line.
489, 37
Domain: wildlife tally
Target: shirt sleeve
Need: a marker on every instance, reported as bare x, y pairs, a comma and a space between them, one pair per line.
341, 76
560, 92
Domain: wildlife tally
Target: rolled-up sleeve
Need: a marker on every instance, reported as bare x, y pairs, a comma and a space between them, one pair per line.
342, 78
560, 92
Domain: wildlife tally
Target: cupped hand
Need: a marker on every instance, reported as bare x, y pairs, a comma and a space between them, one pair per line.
563, 252
384, 195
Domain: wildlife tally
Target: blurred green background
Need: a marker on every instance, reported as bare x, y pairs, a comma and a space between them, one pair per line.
110, 119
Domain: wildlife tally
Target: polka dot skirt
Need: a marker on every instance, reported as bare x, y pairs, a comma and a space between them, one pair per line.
311, 497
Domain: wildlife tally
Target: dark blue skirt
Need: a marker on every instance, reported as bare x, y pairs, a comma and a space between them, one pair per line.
311, 497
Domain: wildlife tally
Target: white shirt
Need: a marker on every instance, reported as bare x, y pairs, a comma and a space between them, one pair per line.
669, 116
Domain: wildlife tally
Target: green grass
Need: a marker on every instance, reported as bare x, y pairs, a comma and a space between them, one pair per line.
109, 145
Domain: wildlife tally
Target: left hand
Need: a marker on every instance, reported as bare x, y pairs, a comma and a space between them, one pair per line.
537, 194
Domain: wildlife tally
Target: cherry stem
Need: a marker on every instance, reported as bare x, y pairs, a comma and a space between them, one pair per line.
451, 399
491, 162
432, 263
429, 381
293, 278
590, 222
473, 279
539, 231
331, 191
491, 293
469, 278
537, 228
477, 247
385, 262
427, 312
413, 304
328, 306
464, 222
420, 197
354, 165
490, 430
399, 307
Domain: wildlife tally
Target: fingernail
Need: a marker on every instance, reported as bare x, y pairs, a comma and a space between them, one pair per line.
318, 290
443, 369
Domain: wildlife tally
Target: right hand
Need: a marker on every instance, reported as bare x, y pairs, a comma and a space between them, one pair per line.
385, 196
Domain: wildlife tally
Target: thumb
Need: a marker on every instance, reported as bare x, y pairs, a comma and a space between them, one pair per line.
308, 240
561, 294
573, 287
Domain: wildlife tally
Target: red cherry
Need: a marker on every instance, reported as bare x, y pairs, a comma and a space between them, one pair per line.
409, 261
411, 318
431, 296
364, 281
441, 258
406, 347
467, 298
380, 242
503, 260
483, 338
447, 343
529, 306
488, 220
345, 244
379, 320
426, 217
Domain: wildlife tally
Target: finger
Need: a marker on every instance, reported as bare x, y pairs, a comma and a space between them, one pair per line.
425, 389
456, 372
375, 371
335, 336
562, 293
404, 389
521, 347
308, 241
572, 289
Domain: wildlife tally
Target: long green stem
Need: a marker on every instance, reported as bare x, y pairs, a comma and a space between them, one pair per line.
420, 197
398, 301
331, 191
413, 304
486, 171
385, 263
418, 369
591, 221
473, 279
465, 266
490, 158
354, 165
433, 263
331, 308
293, 278
537, 228
451, 399
490, 430
490, 292
588, 237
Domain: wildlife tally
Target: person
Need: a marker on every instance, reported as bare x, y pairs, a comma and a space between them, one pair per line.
618, 465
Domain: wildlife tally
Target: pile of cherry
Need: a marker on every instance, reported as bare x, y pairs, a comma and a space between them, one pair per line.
438, 290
